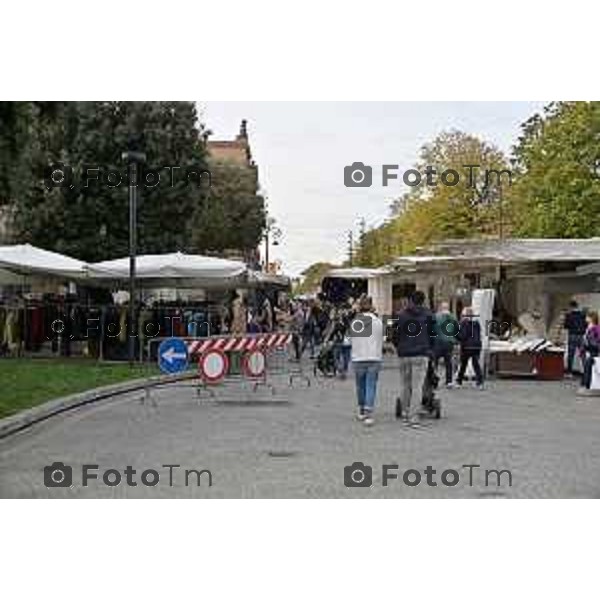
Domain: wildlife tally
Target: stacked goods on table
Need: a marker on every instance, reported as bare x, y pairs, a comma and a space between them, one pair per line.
527, 356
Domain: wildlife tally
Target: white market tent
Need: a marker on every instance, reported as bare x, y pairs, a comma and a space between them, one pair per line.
152, 270
175, 268
25, 259
355, 273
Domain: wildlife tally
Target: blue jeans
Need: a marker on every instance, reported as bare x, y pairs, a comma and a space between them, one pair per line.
574, 342
366, 373
342, 357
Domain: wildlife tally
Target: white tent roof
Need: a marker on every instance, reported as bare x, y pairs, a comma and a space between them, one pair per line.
170, 266
355, 273
26, 259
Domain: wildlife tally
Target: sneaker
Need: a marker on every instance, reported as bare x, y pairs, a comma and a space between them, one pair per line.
361, 416
450, 386
419, 425
368, 420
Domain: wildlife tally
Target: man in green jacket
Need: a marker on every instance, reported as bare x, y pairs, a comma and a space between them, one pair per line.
446, 329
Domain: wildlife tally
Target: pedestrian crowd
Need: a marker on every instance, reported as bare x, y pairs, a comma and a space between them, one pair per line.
421, 340
352, 333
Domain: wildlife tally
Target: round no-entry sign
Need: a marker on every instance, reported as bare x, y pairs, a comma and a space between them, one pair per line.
254, 363
213, 365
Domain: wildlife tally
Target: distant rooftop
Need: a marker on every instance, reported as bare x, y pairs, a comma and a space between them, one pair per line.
236, 151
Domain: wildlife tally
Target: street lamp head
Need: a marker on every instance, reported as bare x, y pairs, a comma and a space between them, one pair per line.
133, 156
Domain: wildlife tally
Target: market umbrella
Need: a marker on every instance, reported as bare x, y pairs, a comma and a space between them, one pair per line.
174, 268
25, 259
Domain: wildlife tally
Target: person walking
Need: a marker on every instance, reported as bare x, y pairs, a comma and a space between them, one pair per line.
590, 348
575, 325
446, 331
309, 336
413, 337
298, 318
342, 347
366, 358
469, 336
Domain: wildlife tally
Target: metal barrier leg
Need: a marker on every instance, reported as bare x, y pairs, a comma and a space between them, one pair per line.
203, 387
148, 397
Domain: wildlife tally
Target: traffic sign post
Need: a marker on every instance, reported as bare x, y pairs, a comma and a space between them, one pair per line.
254, 364
173, 356
213, 366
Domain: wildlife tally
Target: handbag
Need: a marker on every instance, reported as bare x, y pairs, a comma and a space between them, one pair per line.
595, 381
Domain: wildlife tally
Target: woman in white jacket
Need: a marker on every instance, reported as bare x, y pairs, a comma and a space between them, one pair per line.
366, 333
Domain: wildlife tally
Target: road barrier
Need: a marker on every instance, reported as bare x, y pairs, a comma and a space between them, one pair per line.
258, 356
252, 357
239, 343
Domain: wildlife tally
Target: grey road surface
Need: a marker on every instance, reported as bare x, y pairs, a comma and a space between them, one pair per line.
297, 442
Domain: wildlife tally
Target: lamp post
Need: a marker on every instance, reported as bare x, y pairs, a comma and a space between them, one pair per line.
133, 159
271, 231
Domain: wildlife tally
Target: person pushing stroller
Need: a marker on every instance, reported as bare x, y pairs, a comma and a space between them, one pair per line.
413, 336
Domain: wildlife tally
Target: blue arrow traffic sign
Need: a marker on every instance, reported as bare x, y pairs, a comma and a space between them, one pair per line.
172, 356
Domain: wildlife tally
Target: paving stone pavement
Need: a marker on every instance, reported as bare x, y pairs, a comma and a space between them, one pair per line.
296, 443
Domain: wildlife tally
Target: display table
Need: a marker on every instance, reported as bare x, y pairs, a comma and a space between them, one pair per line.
527, 358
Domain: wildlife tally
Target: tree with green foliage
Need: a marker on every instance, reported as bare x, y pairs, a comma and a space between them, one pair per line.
176, 211
232, 215
557, 159
471, 207
312, 277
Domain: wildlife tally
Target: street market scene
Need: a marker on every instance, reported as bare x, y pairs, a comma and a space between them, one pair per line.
182, 317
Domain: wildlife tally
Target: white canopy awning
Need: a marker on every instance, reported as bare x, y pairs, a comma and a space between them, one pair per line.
355, 273
176, 267
25, 259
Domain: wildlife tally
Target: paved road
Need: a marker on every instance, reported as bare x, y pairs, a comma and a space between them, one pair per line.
296, 444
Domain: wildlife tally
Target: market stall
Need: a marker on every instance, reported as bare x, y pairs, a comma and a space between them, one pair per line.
33, 296
174, 269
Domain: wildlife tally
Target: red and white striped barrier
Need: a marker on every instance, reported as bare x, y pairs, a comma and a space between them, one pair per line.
239, 344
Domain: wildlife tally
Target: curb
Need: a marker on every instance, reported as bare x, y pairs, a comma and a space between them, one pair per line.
36, 414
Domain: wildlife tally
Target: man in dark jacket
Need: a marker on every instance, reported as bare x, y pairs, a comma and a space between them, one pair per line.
469, 336
413, 336
575, 324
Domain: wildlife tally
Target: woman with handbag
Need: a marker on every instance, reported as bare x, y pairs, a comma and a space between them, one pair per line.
590, 348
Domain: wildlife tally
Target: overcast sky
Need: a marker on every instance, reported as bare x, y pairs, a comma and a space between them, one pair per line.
301, 149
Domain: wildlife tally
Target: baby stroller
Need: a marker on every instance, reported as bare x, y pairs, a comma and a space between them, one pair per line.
325, 361
430, 402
